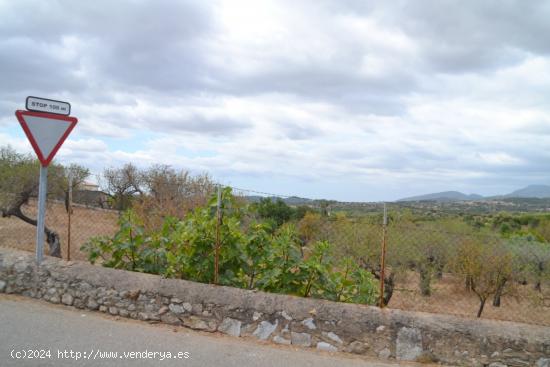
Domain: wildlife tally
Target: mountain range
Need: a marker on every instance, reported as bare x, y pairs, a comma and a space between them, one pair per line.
531, 191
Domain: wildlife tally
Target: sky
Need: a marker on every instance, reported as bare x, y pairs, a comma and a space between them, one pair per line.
348, 100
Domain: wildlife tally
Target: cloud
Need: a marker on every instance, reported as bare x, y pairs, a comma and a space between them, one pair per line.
379, 99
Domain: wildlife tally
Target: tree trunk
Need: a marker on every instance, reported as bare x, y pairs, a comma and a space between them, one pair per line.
389, 284
425, 280
481, 305
52, 238
538, 286
498, 293
468, 283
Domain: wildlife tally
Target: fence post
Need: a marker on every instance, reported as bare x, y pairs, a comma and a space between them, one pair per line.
69, 213
218, 225
383, 257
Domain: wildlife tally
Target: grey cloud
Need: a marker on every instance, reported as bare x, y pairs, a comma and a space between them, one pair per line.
216, 126
126, 44
459, 36
296, 131
27, 65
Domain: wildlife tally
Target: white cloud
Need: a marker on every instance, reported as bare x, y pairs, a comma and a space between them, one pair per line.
381, 99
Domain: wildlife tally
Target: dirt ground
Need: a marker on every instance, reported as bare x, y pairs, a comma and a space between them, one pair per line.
521, 303
85, 224
449, 296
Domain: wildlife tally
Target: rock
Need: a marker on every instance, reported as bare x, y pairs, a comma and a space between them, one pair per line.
79, 303
103, 308
163, 310
309, 323
175, 300
384, 353
326, 347
543, 362
256, 316
280, 340
518, 362
170, 318
133, 295
408, 344
150, 308
52, 291
2, 286
67, 299
497, 364
131, 307
286, 316
187, 307
143, 316
196, 323
113, 310
92, 305
495, 354
230, 326
197, 308
22, 267
264, 330
177, 309
55, 299
122, 312
302, 339
332, 336
356, 347
380, 328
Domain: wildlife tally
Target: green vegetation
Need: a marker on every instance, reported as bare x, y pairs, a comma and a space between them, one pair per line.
271, 246
263, 254
169, 225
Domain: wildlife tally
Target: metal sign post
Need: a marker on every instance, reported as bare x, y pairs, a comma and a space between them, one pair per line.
42, 190
46, 125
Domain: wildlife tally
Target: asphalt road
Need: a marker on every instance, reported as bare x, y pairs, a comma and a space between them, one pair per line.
63, 336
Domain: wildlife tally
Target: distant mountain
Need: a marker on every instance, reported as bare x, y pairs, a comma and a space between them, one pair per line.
444, 196
531, 191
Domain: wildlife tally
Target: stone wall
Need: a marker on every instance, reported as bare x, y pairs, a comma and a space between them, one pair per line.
387, 334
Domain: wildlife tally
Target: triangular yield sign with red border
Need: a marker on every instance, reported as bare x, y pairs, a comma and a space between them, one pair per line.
46, 132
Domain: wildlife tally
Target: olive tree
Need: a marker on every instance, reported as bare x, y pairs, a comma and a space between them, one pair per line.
486, 263
19, 184
122, 184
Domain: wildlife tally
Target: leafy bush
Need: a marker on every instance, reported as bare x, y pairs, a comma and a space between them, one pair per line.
253, 258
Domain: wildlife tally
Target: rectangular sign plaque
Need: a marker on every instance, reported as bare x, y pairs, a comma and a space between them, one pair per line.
48, 105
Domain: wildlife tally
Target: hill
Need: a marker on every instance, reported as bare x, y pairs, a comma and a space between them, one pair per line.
444, 196
531, 191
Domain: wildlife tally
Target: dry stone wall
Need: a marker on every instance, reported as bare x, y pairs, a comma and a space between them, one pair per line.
282, 319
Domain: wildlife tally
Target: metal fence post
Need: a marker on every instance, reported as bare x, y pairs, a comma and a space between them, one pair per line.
69, 213
218, 225
382, 304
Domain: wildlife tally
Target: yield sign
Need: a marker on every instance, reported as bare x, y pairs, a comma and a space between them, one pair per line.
46, 132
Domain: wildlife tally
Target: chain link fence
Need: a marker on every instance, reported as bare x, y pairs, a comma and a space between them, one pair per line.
437, 266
